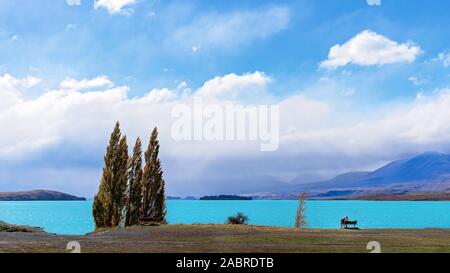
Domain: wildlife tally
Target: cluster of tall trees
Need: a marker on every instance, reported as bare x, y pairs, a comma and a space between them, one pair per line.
130, 192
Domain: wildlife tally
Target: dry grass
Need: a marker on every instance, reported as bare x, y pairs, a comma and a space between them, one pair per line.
232, 238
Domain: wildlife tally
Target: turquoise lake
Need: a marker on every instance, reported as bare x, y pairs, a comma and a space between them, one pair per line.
67, 217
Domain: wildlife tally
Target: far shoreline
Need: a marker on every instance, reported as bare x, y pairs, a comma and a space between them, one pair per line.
39, 195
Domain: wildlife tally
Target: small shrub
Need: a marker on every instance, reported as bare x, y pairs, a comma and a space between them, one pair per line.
238, 219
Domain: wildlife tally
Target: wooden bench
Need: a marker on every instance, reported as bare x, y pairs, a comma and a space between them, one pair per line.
345, 224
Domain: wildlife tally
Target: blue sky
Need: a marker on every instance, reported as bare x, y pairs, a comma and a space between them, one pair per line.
56, 40
133, 47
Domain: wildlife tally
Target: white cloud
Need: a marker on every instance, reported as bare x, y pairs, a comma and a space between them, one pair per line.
74, 84
230, 30
236, 87
416, 81
68, 115
158, 96
77, 120
310, 128
73, 2
34, 124
409, 128
8, 81
9, 91
445, 58
369, 48
115, 6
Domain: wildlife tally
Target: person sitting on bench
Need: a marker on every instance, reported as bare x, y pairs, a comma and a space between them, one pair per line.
345, 222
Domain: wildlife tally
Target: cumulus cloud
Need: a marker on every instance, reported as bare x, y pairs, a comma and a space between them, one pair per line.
234, 87
9, 81
412, 128
229, 30
369, 48
73, 112
11, 89
68, 128
114, 6
100, 81
417, 81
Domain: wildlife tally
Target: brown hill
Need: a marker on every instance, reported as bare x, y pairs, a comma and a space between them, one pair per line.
38, 195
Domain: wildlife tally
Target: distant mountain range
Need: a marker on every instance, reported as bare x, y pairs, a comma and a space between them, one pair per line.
425, 173
426, 176
38, 195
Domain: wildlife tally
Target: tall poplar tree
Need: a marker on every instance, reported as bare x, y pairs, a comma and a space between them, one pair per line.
108, 203
154, 199
134, 190
120, 183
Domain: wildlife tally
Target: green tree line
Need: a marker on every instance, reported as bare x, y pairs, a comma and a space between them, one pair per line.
130, 193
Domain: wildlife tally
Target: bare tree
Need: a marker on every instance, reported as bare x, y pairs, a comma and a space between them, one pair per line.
300, 217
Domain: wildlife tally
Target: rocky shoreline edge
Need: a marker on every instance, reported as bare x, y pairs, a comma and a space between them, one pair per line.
5, 227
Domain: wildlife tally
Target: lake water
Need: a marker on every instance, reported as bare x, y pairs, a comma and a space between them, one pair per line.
67, 217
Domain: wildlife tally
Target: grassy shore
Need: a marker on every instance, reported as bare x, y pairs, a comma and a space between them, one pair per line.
234, 239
